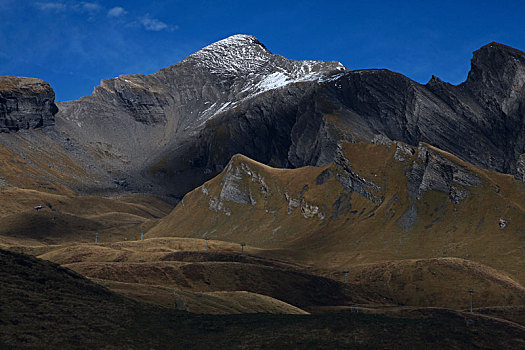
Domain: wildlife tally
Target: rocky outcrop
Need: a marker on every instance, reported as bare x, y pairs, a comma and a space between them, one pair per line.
242, 184
481, 121
520, 168
308, 210
497, 78
25, 103
237, 186
234, 189
433, 171
352, 182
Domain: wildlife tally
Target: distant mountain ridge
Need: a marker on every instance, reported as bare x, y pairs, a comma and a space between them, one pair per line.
168, 132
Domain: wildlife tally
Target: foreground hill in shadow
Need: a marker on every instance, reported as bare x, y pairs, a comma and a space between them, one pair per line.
45, 306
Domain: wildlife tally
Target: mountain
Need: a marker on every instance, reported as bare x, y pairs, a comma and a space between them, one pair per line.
374, 203
139, 123
169, 132
362, 197
286, 116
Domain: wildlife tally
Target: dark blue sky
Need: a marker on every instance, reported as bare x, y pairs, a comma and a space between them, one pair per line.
74, 44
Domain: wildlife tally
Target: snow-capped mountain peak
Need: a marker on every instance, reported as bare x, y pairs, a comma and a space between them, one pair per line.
244, 55
251, 69
235, 55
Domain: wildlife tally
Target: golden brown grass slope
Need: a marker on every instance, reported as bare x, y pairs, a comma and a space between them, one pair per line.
159, 270
307, 216
217, 303
35, 161
70, 218
45, 306
442, 282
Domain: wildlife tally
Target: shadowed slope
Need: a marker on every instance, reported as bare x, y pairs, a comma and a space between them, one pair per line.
511, 313
73, 219
48, 306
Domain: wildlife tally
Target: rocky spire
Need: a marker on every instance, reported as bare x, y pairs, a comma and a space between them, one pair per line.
497, 73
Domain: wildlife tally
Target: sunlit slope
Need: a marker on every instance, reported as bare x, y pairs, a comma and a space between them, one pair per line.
375, 202
237, 302
148, 250
33, 160
441, 282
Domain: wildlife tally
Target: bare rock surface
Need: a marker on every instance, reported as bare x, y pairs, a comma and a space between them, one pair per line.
25, 103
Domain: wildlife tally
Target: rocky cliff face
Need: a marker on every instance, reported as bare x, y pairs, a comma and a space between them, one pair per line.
481, 121
25, 103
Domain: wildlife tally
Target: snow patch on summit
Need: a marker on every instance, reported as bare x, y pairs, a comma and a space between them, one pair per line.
250, 69
279, 79
245, 57
234, 55
273, 81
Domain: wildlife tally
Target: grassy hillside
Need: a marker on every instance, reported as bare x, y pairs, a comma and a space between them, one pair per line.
34, 161
73, 219
440, 282
236, 302
368, 206
45, 306
414, 227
